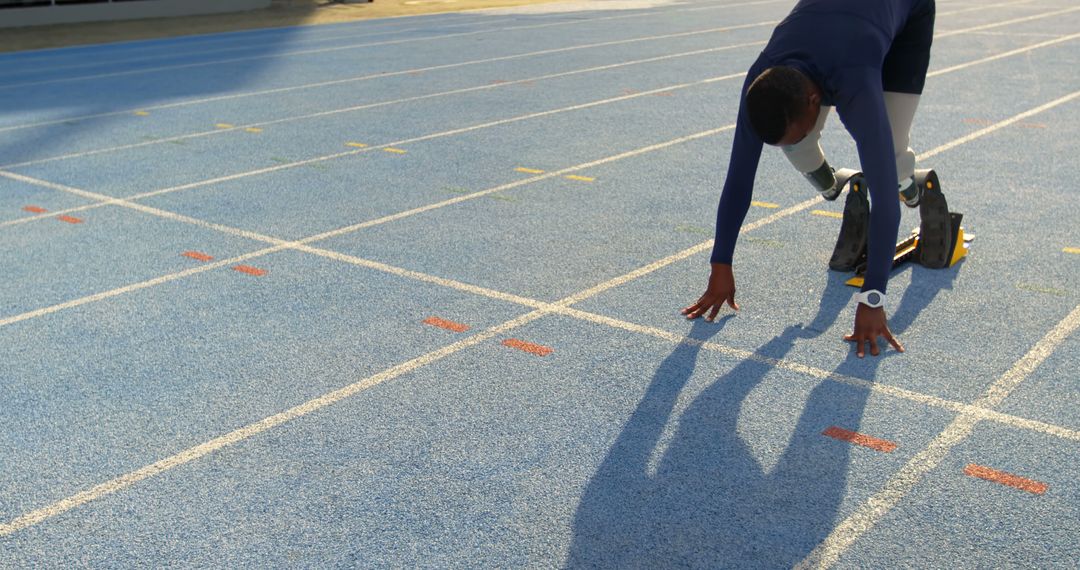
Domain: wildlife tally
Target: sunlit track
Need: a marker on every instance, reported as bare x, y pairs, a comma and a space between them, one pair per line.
292, 42
380, 75
934, 73
438, 324
307, 52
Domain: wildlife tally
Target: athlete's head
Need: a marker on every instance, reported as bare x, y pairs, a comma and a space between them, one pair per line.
783, 105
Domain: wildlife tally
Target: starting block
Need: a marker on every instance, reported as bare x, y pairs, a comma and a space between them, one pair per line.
938, 242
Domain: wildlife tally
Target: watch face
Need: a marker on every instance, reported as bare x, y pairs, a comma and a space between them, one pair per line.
873, 298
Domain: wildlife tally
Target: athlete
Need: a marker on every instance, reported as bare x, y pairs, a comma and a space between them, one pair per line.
868, 59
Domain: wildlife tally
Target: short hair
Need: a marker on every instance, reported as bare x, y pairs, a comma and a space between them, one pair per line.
775, 99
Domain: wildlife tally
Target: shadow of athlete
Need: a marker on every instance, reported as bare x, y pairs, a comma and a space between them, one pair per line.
710, 503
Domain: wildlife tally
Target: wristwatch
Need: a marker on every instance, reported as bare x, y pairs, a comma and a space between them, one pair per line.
872, 298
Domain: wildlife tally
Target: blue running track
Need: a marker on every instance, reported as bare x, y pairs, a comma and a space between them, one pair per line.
405, 293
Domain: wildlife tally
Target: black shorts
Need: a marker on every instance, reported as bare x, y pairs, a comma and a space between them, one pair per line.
904, 69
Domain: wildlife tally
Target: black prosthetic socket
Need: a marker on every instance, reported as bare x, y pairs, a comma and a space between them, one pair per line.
824, 180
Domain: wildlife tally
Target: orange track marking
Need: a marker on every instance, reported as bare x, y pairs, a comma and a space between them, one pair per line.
1022, 483
69, 219
197, 255
250, 270
860, 439
528, 347
35, 209
445, 324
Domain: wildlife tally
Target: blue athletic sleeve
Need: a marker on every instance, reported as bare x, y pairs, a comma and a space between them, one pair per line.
739, 184
862, 110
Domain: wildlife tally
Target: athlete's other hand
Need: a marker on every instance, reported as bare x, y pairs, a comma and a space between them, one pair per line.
721, 290
870, 323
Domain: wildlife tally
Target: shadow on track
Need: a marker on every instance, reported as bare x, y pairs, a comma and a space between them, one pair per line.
711, 503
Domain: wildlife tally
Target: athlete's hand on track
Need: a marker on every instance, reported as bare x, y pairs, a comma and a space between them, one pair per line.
721, 290
870, 323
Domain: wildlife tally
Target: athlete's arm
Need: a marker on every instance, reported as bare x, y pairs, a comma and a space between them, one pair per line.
863, 114
730, 213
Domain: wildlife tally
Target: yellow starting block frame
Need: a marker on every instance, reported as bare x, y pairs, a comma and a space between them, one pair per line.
905, 251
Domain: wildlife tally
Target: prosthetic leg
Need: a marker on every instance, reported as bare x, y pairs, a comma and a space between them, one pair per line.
938, 242
850, 249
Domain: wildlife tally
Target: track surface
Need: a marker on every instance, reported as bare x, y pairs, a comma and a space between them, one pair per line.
405, 293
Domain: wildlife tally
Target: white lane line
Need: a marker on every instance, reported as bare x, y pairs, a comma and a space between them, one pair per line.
999, 390
369, 106
980, 8
173, 49
675, 257
64, 505
133, 287
923, 156
290, 165
38, 56
349, 30
691, 251
334, 156
302, 246
116, 201
373, 76
562, 307
278, 244
1006, 23
108, 200
39, 515
999, 125
427, 278
1017, 34
1024, 423
1003, 55
981, 412
515, 184
416, 70
81, 208
873, 510
343, 48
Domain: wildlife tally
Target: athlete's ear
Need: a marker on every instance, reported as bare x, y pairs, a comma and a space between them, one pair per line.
815, 98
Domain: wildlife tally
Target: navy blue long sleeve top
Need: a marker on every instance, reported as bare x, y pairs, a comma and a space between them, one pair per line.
840, 45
